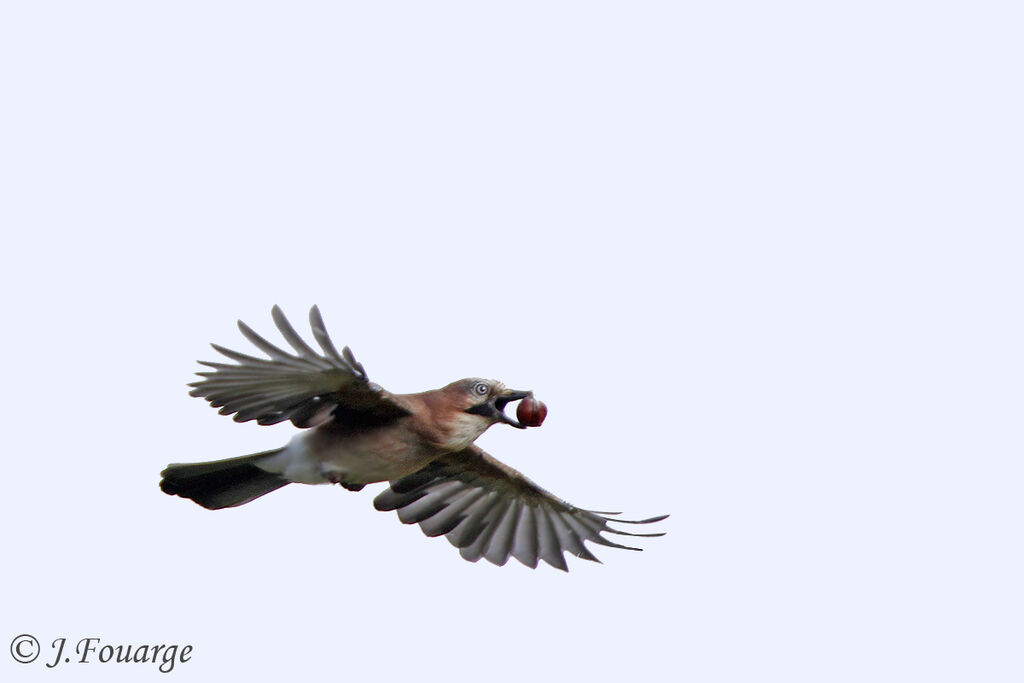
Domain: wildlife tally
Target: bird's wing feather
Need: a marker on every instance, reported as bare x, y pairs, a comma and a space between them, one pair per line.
305, 387
488, 509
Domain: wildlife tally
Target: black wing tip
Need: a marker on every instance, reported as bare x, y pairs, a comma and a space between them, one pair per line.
275, 313
222, 350
551, 562
316, 319
649, 520
627, 533
587, 555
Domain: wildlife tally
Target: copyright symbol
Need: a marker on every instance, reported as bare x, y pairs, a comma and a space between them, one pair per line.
25, 648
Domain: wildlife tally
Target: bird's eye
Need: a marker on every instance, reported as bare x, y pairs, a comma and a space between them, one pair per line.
481, 388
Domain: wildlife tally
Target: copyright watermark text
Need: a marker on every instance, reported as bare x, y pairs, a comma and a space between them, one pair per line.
26, 649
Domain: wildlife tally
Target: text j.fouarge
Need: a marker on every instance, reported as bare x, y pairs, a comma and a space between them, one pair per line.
92, 650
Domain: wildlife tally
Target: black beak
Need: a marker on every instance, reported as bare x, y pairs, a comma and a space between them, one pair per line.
501, 401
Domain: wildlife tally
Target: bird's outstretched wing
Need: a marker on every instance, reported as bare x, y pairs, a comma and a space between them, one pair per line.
305, 387
487, 509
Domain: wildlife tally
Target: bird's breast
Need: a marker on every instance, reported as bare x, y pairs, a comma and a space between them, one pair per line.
458, 431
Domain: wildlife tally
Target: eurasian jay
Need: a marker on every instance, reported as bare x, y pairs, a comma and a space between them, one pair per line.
356, 433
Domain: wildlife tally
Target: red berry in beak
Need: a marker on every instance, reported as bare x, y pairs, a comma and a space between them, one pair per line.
531, 412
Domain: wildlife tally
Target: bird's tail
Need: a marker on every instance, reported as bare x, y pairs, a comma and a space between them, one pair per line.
221, 483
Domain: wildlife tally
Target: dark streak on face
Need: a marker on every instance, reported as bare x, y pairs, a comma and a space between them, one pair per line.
486, 409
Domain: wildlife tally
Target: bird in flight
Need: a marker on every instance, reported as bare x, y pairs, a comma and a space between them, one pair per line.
355, 433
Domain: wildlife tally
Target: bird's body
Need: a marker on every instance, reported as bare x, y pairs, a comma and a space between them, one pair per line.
329, 453
356, 433
333, 453
367, 457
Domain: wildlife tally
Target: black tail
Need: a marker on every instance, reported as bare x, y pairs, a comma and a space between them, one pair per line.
222, 483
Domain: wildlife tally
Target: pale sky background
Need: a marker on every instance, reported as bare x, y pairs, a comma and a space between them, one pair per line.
761, 260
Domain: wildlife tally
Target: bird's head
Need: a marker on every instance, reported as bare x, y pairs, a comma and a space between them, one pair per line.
465, 409
486, 399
